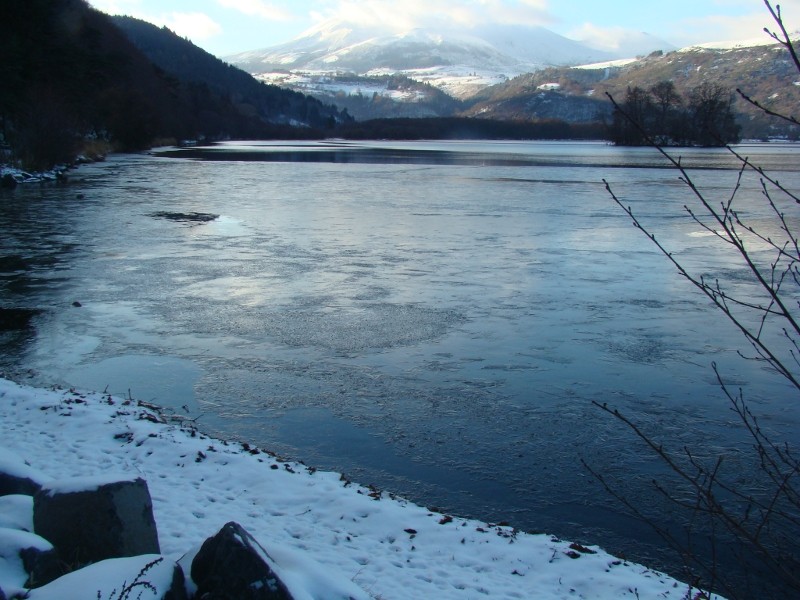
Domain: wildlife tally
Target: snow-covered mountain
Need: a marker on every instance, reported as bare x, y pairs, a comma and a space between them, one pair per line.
459, 61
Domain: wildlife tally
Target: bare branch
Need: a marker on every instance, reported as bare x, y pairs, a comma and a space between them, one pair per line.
757, 519
764, 109
783, 39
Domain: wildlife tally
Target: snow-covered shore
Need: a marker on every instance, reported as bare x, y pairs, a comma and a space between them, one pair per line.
10, 176
335, 538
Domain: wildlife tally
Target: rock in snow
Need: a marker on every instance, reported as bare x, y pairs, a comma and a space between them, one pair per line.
233, 562
92, 520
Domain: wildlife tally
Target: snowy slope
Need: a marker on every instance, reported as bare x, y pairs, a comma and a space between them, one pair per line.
340, 46
458, 61
332, 538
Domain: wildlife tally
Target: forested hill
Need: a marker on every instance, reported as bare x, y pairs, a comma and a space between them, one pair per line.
766, 73
69, 75
182, 59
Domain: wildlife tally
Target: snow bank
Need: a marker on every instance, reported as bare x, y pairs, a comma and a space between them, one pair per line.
327, 535
20, 176
106, 579
10, 464
16, 511
89, 483
12, 572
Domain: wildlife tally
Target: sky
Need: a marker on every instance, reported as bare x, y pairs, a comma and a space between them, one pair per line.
225, 27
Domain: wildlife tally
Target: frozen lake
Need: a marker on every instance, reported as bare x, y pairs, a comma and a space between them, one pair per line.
431, 318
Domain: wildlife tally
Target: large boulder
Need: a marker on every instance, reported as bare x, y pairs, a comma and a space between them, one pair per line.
232, 565
95, 518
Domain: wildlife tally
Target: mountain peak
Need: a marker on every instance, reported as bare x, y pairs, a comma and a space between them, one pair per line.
336, 45
458, 60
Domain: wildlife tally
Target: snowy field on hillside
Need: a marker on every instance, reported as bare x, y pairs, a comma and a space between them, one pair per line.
331, 538
323, 83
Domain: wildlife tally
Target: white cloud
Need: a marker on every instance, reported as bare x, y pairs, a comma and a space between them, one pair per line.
728, 28
795, 4
258, 8
117, 7
602, 38
748, 28
195, 26
428, 13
